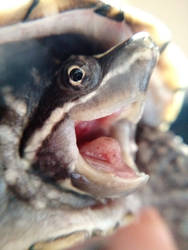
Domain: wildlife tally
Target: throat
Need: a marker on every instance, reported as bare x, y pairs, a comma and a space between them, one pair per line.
99, 149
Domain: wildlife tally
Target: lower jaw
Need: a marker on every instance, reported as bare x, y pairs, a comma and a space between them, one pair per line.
102, 170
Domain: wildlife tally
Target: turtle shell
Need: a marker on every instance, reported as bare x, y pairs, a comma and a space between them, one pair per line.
106, 27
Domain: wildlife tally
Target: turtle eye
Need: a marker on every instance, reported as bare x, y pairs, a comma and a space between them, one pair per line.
76, 75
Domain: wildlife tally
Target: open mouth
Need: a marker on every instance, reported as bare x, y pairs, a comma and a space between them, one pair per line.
101, 148
97, 155
106, 166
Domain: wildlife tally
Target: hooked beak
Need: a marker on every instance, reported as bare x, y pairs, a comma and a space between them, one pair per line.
137, 56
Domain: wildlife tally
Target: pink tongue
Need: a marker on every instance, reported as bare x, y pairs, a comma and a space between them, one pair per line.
104, 153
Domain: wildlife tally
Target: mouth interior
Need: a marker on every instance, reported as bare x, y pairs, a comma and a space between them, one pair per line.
98, 147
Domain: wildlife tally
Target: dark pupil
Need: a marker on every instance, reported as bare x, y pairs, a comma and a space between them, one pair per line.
76, 75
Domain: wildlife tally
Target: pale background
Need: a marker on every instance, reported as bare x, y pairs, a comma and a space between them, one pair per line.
173, 12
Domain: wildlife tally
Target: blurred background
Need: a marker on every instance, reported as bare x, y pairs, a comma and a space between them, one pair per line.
175, 14
172, 12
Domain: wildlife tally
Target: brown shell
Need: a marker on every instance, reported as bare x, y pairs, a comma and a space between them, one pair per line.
41, 8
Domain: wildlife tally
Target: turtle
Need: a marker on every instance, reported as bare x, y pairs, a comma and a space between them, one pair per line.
77, 77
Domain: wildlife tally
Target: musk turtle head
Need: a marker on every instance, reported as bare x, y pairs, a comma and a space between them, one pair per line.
74, 84
80, 87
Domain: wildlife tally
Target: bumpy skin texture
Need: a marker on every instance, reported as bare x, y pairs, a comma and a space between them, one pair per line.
166, 159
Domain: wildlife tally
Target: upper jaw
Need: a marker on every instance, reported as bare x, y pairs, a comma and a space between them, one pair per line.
126, 68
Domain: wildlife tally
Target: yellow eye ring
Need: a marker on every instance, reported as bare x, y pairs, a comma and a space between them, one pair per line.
76, 75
